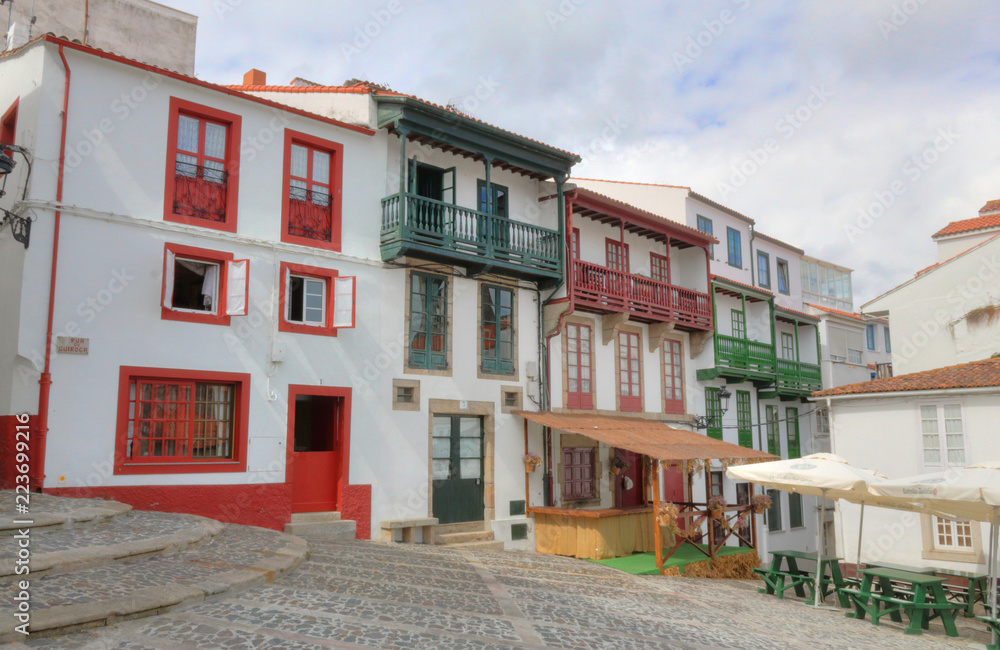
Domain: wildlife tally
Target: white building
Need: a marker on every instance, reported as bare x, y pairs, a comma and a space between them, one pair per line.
207, 353
912, 424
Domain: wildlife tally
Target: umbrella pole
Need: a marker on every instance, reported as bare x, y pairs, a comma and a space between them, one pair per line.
819, 546
861, 528
994, 534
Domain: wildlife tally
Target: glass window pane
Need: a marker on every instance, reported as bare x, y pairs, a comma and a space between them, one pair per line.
931, 442
442, 427
956, 456
469, 427
469, 448
215, 140
954, 440
187, 133
441, 447
928, 412
321, 167
298, 165
929, 426
932, 456
441, 469
470, 468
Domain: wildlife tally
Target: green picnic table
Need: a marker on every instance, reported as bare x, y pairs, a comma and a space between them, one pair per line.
879, 595
784, 573
975, 588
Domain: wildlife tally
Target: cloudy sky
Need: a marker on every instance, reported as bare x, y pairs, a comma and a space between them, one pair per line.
853, 129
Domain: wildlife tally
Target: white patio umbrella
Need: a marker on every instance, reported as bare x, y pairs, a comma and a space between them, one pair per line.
825, 476
967, 492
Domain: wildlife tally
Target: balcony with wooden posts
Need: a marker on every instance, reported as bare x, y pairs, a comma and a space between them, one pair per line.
738, 356
416, 226
796, 378
653, 298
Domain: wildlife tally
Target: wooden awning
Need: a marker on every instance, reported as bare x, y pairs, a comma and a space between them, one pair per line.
654, 439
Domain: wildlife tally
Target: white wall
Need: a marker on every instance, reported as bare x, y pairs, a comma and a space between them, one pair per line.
930, 320
884, 434
952, 245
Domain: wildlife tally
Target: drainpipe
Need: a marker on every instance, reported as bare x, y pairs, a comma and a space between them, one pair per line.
37, 474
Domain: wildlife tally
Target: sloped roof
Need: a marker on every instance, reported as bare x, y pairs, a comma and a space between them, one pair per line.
741, 284
775, 240
982, 222
654, 439
845, 314
991, 206
669, 223
975, 374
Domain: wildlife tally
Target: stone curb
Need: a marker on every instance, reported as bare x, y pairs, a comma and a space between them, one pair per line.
43, 522
160, 599
57, 562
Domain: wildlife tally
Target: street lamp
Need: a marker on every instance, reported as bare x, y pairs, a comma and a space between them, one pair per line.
703, 421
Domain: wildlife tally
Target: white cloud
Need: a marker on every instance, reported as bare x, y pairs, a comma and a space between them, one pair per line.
897, 72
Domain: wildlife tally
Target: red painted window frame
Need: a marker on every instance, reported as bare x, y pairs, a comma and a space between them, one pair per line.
591, 483
233, 124
336, 151
8, 124
672, 349
203, 255
659, 267
127, 374
611, 247
579, 399
344, 432
312, 272
630, 403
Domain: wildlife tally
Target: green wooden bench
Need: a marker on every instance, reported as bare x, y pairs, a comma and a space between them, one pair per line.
994, 626
775, 581
923, 600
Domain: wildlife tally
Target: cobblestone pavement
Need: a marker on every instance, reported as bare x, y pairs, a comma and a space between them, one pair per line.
367, 594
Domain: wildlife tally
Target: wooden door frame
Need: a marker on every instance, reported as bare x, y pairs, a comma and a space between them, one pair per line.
485, 410
294, 390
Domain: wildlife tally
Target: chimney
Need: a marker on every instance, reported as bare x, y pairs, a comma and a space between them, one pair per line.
255, 78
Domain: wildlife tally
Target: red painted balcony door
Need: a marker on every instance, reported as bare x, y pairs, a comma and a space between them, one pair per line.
629, 372
579, 391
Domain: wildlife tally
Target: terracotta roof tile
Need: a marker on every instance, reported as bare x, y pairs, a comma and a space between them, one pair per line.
364, 87
845, 314
976, 374
968, 225
604, 180
991, 206
796, 312
741, 284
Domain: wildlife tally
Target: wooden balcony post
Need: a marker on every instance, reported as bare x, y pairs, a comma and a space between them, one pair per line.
657, 534
402, 177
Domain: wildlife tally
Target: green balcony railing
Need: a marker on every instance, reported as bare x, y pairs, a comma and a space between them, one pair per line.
796, 375
744, 354
466, 235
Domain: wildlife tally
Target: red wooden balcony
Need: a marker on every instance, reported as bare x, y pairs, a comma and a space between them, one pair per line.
598, 288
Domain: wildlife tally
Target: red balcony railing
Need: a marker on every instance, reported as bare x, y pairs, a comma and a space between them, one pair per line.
310, 214
200, 191
611, 291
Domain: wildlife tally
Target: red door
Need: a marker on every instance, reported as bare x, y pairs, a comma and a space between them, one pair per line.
629, 490
316, 455
673, 487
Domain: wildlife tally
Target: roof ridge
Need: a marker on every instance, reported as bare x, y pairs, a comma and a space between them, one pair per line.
962, 375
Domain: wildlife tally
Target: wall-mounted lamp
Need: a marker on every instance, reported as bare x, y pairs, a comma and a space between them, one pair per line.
704, 421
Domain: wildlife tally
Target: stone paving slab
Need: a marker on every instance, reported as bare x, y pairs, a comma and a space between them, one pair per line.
48, 512
357, 594
133, 537
235, 559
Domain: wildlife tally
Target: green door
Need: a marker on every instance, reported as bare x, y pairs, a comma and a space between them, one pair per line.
457, 465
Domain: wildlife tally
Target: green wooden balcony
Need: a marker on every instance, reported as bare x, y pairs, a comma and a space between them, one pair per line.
741, 360
796, 377
420, 227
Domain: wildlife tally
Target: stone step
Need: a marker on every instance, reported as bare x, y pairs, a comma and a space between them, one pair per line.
120, 539
340, 529
50, 513
463, 538
478, 546
237, 558
465, 527
311, 517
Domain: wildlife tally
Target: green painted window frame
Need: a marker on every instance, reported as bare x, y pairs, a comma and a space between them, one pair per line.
738, 322
773, 431
498, 191
744, 419
705, 226
713, 413
792, 432
735, 247
498, 360
448, 175
783, 277
795, 510
774, 512
788, 347
428, 359
763, 270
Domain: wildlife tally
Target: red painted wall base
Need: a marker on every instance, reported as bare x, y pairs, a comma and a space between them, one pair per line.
356, 504
268, 505
8, 448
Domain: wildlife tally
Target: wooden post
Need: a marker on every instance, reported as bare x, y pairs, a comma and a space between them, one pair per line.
657, 535
753, 521
708, 495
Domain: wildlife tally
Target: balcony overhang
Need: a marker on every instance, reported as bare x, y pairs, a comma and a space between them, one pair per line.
793, 317
728, 287
591, 205
449, 131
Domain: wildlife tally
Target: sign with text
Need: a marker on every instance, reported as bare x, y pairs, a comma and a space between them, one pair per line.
72, 345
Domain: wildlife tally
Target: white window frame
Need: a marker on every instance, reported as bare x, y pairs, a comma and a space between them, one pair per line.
943, 448
954, 534
288, 299
172, 261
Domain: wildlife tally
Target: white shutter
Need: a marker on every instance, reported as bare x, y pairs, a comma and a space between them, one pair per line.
838, 342
343, 301
237, 287
168, 280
